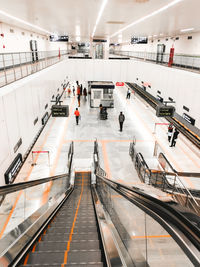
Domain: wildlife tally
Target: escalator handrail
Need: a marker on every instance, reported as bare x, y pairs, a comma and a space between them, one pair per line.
7, 189
171, 167
143, 161
164, 210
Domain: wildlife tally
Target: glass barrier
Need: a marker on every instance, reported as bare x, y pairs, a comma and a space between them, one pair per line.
18, 206
190, 62
146, 241
14, 66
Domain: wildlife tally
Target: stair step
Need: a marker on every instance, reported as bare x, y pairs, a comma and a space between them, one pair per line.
79, 229
61, 246
65, 237
81, 256
69, 224
94, 264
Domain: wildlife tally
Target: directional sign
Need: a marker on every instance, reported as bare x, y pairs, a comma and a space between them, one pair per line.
60, 111
165, 111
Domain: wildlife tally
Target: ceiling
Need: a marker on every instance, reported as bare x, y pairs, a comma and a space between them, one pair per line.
78, 17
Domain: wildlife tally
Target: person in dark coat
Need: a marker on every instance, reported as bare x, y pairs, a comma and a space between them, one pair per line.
170, 131
85, 93
121, 120
174, 138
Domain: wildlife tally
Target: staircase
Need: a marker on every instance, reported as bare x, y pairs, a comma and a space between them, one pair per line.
72, 238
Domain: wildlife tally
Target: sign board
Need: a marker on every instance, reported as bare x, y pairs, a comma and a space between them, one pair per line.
61, 38
139, 40
165, 111
45, 118
12, 171
119, 84
189, 119
60, 111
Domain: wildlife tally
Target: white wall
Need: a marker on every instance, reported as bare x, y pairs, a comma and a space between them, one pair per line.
18, 42
20, 104
182, 86
182, 46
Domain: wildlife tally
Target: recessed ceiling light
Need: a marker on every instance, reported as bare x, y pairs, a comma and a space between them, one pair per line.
155, 35
148, 16
78, 38
187, 30
99, 15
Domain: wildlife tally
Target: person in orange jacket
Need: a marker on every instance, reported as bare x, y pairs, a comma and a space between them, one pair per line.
77, 115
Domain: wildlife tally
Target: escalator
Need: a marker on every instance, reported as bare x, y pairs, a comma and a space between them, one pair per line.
89, 220
72, 238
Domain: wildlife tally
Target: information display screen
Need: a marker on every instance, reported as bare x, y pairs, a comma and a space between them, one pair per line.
11, 172
165, 111
139, 40
56, 38
60, 111
189, 119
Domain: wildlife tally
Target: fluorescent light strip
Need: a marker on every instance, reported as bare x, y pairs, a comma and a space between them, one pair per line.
148, 16
99, 15
23, 22
187, 30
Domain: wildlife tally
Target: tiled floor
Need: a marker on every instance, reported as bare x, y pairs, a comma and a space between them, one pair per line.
114, 149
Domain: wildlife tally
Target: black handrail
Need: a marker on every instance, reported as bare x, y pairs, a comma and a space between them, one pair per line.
158, 209
7, 189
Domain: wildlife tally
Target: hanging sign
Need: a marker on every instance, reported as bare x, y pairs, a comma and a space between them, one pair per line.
119, 84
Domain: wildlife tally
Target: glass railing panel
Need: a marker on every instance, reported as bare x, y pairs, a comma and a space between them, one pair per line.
144, 238
162, 250
18, 206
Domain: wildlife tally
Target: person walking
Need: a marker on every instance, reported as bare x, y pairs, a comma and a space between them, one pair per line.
73, 91
174, 138
77, 115
121, 120
170, 131
128, 94
69, 92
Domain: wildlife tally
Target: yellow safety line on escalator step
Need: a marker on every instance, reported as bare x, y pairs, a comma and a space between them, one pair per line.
73, 225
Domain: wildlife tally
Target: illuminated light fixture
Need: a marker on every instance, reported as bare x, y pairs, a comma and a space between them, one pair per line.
155, 35
161, 34
99, 15
148, 16
187, 30
23, 22
78, 33
150, 36
78, 38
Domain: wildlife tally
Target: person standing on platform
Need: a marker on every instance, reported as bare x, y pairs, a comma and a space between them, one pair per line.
73, 91
78, 90
79, 100
85, 93
121, 120
77, 115
81, 89
128, 94
170, 130
174, 138
69, 92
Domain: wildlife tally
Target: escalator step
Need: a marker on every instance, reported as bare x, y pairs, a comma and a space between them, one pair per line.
84, 256
95, 264
74, 256
78, 229
69, 224
64, 237
61, 246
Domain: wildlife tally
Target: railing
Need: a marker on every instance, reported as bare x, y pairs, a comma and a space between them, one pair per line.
189, 62
27, 206
14, 66
138, 217
167, 180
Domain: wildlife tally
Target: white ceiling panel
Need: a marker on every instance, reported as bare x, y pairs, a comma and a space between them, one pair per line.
63, 16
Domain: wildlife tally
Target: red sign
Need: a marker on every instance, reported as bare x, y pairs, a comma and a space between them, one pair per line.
119, 84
